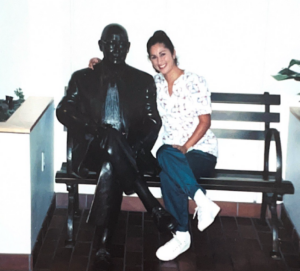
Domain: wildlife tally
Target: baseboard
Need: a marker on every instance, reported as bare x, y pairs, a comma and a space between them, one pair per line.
15, 262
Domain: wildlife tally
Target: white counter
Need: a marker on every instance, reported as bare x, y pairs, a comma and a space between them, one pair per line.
26, 184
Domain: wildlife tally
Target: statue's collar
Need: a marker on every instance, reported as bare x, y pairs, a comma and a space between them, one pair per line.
115, 68
112, 72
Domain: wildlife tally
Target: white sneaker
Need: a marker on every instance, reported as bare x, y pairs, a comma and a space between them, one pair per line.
206, 209
180, 243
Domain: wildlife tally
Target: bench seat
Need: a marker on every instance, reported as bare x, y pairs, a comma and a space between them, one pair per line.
230, 180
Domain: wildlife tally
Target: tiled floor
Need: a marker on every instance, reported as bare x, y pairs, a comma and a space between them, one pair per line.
230, 244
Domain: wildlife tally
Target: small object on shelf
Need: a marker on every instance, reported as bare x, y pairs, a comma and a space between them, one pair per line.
9, 105
9, 101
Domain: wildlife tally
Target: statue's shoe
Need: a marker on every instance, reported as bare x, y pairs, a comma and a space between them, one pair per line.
102, 261
163, 220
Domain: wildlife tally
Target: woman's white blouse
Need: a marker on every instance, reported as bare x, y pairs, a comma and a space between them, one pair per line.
179, 112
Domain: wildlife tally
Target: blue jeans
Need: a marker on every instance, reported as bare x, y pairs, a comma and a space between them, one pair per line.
178, 179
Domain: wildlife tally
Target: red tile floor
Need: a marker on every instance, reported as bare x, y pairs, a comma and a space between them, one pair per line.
230, 244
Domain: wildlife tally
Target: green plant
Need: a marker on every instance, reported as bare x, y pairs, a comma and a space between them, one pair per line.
19, 94
287, 73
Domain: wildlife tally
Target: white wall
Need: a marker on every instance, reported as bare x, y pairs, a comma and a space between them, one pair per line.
13, 45
236, 44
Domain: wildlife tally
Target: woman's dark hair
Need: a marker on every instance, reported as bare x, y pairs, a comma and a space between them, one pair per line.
160, 36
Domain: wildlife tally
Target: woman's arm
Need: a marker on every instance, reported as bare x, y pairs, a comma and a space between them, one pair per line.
201, 129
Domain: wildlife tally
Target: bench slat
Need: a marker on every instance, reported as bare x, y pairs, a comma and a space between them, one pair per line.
286, 187
239, 134
238, 98
230, 180
244, 116
62, 177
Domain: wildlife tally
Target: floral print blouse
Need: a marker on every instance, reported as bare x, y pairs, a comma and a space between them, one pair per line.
179, 112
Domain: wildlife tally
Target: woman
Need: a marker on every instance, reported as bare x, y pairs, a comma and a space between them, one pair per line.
188, 149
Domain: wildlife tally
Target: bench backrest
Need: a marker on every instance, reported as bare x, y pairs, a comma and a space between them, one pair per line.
265, 117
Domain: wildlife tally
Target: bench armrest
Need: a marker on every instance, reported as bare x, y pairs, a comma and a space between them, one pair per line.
278, 176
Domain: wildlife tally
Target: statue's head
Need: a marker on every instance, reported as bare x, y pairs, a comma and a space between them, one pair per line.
114, 44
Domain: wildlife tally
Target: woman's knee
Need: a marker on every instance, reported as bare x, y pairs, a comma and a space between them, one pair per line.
162, 153
167, 152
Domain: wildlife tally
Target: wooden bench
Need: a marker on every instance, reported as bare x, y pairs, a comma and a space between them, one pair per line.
269, 183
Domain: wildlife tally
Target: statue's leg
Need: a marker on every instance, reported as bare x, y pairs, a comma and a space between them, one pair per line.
124, 163
104, 214
122, 157
163, 220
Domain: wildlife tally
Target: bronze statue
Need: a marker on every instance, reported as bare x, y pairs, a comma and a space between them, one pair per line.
112, 116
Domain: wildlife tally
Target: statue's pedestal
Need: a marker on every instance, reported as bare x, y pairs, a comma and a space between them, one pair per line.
26, 180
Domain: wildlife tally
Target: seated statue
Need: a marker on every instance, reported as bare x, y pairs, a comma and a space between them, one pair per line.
112, 116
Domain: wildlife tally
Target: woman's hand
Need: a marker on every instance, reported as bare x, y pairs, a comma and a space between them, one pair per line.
202, 127
93, 62
182, 149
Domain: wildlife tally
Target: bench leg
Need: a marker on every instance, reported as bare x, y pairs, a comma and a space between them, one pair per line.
275, 254
263, 209
76, 201
271, 201
70, 241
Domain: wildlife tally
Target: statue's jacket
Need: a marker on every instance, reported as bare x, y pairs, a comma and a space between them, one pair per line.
81, 109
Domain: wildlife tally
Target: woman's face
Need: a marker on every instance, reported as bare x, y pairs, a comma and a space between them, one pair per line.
161, 58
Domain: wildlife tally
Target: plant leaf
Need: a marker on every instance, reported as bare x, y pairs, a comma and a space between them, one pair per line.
293, 62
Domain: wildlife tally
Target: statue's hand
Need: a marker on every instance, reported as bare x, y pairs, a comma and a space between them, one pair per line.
106, 126
93, 62
95, 128
91, 129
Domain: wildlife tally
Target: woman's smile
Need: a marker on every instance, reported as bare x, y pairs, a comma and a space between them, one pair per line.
162, 66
